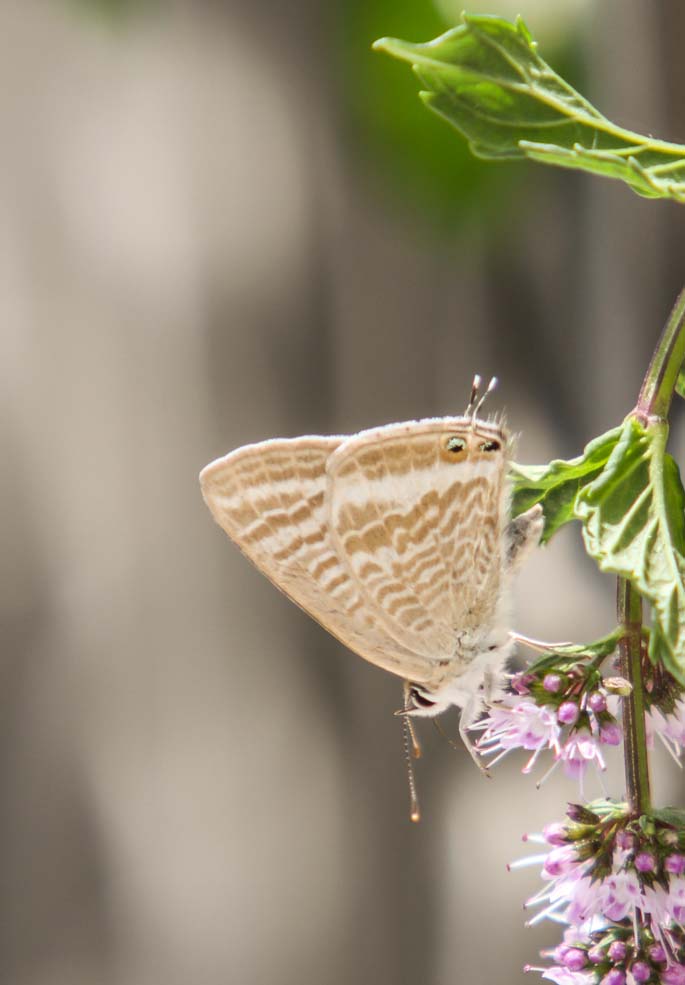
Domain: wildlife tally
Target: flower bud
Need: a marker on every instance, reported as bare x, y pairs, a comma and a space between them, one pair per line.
574, 959
618, 685
618, 950
568, 713
614, 977
675, 864
641, 971
555, 833
582, 815
657, 953
673, 975
645, 862
597, 702
596, 954
552, 683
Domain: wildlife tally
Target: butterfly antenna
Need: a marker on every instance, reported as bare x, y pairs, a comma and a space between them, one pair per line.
475, 387
414, 812
414, 739
411, 747
491, 386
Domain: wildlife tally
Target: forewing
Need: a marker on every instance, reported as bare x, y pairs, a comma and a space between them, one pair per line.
269, 498
421, 530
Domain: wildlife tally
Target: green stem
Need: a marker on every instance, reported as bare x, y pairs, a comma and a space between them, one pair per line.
629, 611
657, 388
652, 409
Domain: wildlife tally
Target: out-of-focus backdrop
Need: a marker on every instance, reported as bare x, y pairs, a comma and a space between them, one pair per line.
228, 221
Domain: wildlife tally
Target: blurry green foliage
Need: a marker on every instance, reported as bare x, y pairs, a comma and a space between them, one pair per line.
414, 159
487, 79
113, 11
419, 164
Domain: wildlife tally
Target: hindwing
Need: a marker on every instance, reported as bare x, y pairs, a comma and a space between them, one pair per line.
270, 498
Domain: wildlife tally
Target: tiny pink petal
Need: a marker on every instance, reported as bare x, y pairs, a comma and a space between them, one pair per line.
610, 734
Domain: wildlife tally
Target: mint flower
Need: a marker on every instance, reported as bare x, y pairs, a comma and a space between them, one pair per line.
520, 724
618, 883
581, 749
559, 705
627, 971
669, 728
603, 870
613, 955
573, 735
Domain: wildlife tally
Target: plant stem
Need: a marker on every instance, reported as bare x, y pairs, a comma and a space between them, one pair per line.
652, 408
629, 612
657, 388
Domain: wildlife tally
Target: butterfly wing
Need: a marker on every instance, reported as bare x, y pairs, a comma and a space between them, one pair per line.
269, 498
420, 527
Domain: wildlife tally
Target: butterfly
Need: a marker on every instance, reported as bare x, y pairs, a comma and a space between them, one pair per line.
397, 540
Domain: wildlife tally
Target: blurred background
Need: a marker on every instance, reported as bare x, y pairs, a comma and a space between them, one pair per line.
227, 221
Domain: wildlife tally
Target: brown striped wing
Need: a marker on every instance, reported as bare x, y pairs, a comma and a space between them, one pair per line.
269, 498
421, 529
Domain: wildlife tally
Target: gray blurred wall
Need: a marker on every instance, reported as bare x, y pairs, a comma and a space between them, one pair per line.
197, 784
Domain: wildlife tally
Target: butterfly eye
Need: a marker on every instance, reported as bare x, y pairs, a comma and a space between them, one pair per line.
420, 700
490, 446
455, 444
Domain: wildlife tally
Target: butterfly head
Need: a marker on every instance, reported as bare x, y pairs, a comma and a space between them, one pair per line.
421, 703
473, 441
482, 681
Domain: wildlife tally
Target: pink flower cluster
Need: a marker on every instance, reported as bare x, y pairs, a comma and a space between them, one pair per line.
612, 961
573, 732
619, 884
562, 705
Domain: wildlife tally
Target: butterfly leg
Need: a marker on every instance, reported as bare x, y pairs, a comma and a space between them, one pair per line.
523, 534
541, 645
468, 716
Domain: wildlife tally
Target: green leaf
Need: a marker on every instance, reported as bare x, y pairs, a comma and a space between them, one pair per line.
673, 816
556, 485
633, 518
487, 79
564, 656
602, 809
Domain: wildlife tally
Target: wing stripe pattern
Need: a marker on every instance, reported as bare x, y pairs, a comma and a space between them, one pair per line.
269, 498
392, 545
422, 534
